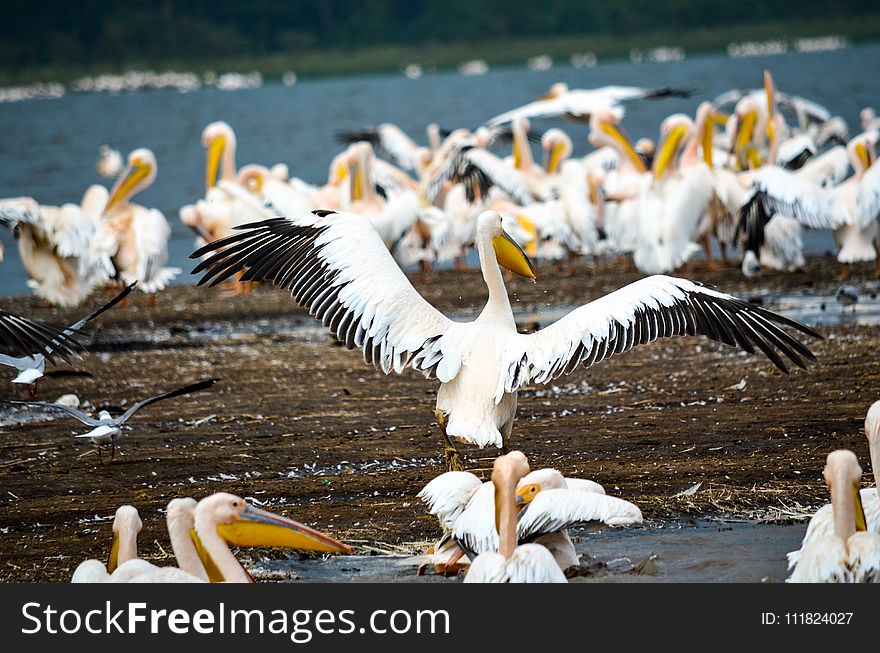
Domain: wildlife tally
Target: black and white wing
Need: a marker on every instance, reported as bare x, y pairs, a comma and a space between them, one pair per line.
648, 309
389, 141
20, 336
478, 170
337, 266
775, 190
185, 390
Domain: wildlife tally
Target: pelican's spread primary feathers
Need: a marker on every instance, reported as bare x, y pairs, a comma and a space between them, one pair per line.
337, 266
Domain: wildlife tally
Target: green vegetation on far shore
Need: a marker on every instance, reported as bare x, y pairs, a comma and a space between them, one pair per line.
329, 61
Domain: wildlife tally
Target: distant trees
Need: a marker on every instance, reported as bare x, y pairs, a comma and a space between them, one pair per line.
79, 32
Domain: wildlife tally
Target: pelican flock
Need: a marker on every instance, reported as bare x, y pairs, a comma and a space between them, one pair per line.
743, 175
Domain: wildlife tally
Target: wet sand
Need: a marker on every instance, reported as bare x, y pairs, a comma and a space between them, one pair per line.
306, 427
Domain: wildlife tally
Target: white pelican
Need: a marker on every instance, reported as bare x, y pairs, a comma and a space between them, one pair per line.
580, 104
106, 428
672, 207
57, 245
110, 162
391, 142
849, 209
137, 237
337, 265
32, 364
526, 563
822, 523
449, 495
851, 554
126, 526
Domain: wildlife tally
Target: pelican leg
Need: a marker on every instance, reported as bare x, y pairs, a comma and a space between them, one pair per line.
707, 248
844, 272
723, 247
453, 464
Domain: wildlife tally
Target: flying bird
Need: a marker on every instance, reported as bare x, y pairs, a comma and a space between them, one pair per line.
106, 428
32, 365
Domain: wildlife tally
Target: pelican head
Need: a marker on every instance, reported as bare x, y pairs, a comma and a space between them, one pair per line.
360, 164
843, 475
557, 148
861, 152
126, 526
605, 131
218, 139
242, 524
534, 482
140, 174
509, 254
674, 132
253, 177
867, 117
750, 120
558, 89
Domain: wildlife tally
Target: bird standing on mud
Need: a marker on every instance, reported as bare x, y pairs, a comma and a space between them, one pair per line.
337, 266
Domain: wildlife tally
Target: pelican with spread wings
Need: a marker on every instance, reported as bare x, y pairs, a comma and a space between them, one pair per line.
337, 266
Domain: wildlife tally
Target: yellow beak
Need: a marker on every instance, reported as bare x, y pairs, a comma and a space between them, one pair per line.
214, 573
612, 131
113, 560
357, 182
668, 150
745, 130
861, 522
511, 256
863, 155
131, 177
215, 153
554, 160
260, 528
531, 248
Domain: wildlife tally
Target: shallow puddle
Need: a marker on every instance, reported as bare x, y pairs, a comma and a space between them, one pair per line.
700, 552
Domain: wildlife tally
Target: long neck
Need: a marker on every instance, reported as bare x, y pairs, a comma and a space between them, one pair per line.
128, 544
499, 302
228, 171
505, 508
231, 569
184, 549
844, 509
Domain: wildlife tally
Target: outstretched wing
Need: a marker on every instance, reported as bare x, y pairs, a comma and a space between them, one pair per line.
557, 509
337, 266
73, 412
23, 337
185, 390
651, 308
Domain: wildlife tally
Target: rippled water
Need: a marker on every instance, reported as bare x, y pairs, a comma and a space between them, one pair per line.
49, 148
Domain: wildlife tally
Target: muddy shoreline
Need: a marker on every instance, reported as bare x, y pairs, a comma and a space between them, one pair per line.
304, 426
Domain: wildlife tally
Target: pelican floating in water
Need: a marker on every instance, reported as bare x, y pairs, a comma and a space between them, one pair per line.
463, 505
137, 237
106, 428
526, 563
851, 553
822, 523
337, 265
32, 365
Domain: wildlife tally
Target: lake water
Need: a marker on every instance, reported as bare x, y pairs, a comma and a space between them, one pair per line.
49, 147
